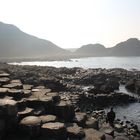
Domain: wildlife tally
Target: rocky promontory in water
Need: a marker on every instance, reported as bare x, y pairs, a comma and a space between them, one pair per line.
47, 103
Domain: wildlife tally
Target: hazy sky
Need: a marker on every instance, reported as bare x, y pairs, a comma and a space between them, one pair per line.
73, 23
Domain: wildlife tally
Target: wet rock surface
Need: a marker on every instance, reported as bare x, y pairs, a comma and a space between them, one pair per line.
75, 132
63, 104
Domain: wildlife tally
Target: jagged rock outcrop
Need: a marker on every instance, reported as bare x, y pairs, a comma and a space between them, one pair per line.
133, 85
37, 112
54, 130
75, 132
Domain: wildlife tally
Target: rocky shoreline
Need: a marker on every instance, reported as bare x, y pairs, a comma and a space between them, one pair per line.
64, 104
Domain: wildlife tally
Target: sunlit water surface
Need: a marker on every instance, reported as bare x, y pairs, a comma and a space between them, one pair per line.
91, 62
131, 111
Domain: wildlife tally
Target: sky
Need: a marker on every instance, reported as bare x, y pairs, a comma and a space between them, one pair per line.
73, 23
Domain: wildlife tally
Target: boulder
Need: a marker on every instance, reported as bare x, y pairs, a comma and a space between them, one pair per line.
80, 118
33, 102
14, 85
108, 137
38, 94
55, 96
4, 80
30, 125
40, 87
75, 132
8, 107
107, 129
132, 132
92, 134
110, 86
41, 91
26, 93
92, 123
100, 98
8, 112
15, 81
21, 104
48, 118
130, 85
98, 113
25, 112
54, 130
40, 110
30, 120
118, 128
54, 84
27, 87
47, 103
65, 111
4, 75
35, 90
15, 93
43, 101
3, 92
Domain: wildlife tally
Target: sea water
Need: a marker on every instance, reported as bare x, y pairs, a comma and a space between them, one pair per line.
91, 62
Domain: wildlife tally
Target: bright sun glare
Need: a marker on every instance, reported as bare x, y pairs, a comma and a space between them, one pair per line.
72, 23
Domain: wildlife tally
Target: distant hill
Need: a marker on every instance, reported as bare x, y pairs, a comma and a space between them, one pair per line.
130, 47
91, 50
15, 43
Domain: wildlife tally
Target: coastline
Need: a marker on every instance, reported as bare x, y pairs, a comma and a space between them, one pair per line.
68, 83
55, 58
